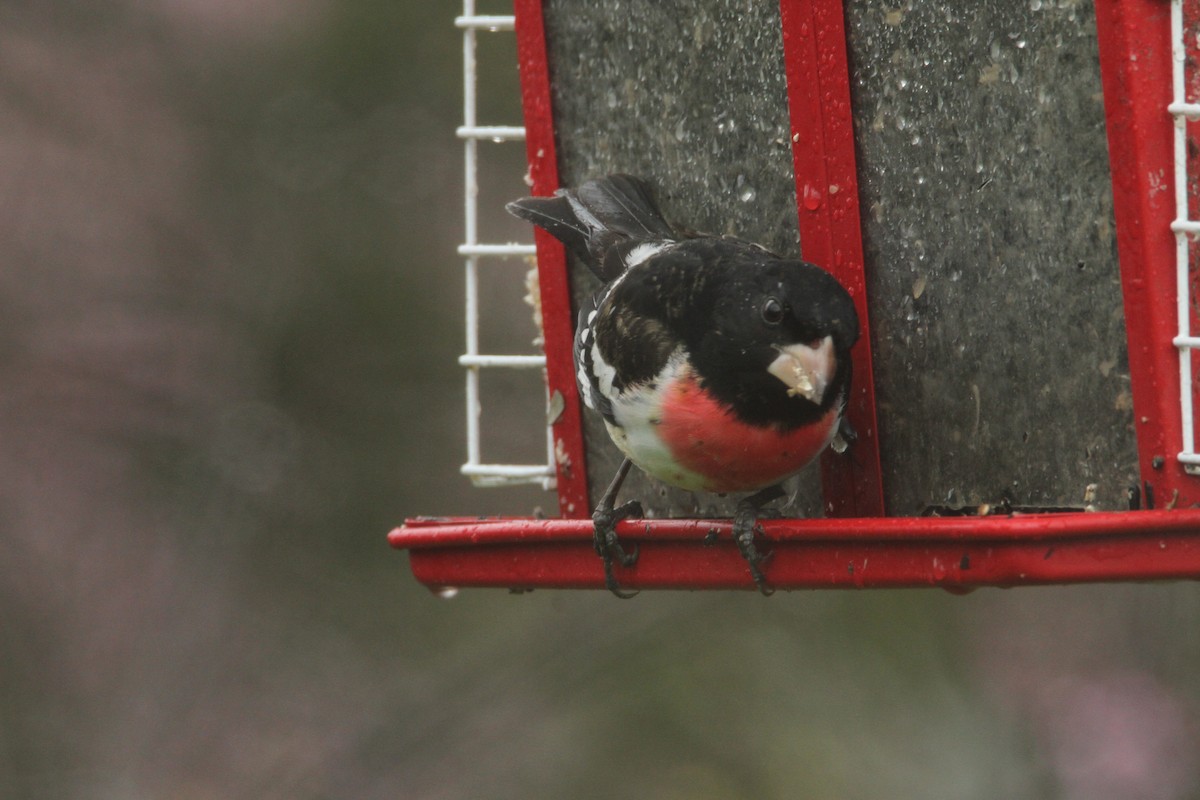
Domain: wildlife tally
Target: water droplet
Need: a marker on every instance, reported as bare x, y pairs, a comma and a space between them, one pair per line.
747, 194
446, 592
811, 198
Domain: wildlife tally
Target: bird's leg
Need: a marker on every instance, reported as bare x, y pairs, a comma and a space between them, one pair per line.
604, 530
744, 525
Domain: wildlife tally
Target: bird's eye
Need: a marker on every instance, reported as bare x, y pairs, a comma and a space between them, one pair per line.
772, 311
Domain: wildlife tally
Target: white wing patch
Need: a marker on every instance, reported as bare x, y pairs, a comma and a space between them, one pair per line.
605, 374
644, 251
585, 387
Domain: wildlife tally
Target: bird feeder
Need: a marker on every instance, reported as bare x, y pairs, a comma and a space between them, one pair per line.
1009, 193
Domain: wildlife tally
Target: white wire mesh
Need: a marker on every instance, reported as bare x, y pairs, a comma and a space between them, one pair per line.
472, 250
1182, 110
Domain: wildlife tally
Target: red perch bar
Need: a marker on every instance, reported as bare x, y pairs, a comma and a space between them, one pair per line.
954, 553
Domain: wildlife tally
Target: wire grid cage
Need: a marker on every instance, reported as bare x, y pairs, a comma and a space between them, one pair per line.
1144, 83
475, 254
1185, 229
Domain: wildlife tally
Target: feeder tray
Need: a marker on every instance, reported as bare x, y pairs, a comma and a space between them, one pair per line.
856, 535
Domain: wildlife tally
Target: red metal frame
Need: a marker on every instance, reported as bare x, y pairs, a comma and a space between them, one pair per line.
557, 326
956, 553
818, 81
1135, 68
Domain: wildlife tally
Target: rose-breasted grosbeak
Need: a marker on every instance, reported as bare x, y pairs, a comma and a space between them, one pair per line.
716, 364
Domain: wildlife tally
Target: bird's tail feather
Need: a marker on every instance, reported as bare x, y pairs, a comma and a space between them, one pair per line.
596, 217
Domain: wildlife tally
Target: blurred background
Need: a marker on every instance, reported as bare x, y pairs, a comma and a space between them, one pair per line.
229, 315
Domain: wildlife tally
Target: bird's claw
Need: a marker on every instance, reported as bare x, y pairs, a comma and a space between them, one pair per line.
744, 538
608, 546
745, 526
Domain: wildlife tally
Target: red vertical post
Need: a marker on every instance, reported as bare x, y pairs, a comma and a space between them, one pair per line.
818, 81
1135, 69
557, 325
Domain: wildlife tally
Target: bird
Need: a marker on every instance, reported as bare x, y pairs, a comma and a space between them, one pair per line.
716, 364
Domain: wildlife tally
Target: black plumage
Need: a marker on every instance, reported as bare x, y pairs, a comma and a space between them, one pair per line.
696, 342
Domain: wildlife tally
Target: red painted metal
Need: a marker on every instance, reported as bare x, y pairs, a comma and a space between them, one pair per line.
1135, 68
818, 80
955, 553
557, 325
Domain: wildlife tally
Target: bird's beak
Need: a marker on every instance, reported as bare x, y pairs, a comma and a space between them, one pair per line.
806, 369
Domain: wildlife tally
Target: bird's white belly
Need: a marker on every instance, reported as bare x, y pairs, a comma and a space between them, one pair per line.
638, 416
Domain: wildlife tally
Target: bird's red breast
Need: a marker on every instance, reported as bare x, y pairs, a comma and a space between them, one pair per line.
706, 437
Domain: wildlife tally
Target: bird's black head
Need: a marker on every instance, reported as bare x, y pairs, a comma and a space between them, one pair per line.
777, 344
